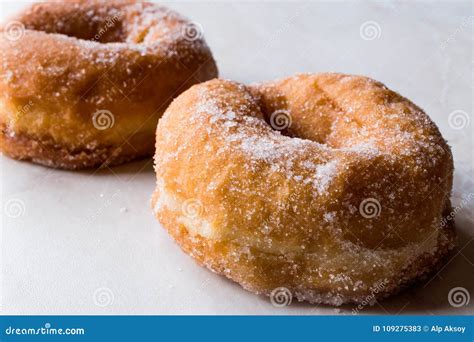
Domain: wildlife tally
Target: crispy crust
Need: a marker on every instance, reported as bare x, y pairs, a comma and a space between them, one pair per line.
261, 272
84, 84
272, 210
46, 152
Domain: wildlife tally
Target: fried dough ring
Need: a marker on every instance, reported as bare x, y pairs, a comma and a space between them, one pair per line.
84, 82
345, 206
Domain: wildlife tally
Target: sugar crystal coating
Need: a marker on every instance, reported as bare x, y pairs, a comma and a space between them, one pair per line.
342, 205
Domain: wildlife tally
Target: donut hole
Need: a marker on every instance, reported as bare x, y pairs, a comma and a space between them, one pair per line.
287, 122
101, 30
308, 121
103, 22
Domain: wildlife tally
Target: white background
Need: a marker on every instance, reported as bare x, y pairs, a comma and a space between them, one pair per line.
87, 242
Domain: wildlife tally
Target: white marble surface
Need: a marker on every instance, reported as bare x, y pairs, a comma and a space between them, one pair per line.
87, 243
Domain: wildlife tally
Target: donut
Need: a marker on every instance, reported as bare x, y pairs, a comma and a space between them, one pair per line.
327, 188
83, 83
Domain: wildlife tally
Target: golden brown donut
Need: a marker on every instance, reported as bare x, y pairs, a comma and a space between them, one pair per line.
344, 205
83, 83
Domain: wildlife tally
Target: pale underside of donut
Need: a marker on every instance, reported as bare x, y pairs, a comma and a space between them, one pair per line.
343, 202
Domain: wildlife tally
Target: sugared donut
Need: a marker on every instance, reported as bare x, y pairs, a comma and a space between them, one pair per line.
330, 186
83, 83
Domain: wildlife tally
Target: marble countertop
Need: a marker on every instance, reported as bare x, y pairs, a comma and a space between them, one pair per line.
125, 263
